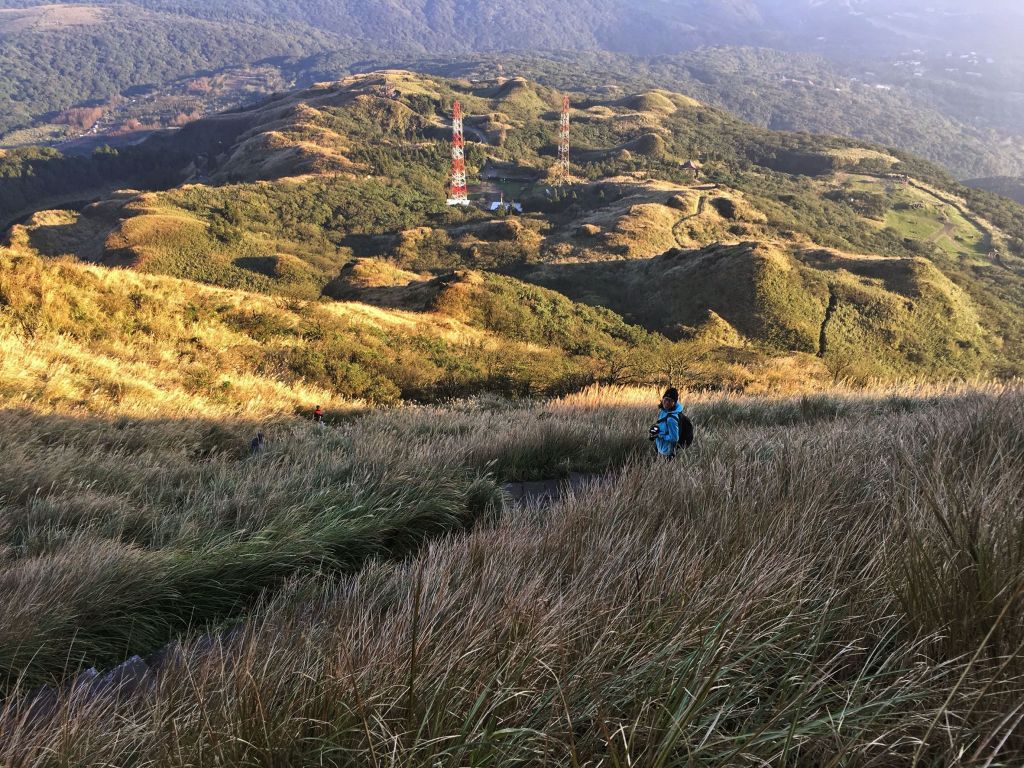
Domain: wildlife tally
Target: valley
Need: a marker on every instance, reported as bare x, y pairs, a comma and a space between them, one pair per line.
858, 71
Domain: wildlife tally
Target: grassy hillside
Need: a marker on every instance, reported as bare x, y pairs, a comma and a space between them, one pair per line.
868, 264
828, 576
162, 343
799, 77
780, 90
814, 581
869, 316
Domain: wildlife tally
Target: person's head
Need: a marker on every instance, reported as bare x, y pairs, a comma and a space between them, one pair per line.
259, 436
670, 399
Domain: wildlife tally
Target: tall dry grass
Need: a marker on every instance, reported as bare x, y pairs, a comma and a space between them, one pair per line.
831, 581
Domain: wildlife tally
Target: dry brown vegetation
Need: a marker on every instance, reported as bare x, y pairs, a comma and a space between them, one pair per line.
826, 580
74, 336
78, 336
345, 179
80, 118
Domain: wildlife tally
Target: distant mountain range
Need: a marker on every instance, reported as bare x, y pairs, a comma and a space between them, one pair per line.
933, 76
861, 27
1007, 186
648, 27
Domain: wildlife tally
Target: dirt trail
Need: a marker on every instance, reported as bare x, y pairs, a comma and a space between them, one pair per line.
701, 205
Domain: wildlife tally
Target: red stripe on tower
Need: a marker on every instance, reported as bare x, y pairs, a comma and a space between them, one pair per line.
458, 193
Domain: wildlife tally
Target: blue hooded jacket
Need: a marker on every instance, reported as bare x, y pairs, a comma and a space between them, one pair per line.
668, 430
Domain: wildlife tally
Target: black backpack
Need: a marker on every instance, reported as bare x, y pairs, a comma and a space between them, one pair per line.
685, 429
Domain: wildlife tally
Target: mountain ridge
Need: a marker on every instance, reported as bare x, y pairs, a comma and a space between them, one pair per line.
857, 262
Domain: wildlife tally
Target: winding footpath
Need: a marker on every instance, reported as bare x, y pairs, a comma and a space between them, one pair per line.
701, 205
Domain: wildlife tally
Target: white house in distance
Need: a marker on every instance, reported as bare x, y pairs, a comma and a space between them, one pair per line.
501, 205
497, 205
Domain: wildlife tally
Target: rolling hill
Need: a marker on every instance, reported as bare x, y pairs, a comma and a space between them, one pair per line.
967, 130
793, 252
199, 573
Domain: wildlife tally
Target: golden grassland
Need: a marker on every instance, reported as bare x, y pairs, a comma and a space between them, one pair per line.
823, 579
854, 273
831, 576
78, 336
89, 337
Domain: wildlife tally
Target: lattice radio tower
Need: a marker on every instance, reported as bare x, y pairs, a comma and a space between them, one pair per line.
563, 143
458, 193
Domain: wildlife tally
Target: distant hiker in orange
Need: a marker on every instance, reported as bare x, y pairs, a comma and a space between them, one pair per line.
318, 416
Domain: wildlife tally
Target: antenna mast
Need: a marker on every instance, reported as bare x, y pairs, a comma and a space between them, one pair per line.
458, 193
563, 143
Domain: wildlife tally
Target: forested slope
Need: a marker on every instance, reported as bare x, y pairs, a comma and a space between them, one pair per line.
51, 59
69, 59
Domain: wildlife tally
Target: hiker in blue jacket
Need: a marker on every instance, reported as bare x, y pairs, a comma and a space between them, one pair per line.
666, 432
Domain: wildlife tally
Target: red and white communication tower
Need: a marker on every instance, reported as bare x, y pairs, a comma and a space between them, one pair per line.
458, 194
563, 143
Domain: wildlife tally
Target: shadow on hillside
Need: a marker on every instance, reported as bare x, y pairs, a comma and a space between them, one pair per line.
196, 438
412, 297
621, 285
26, 430
83, 236
368, 246
261, 265
899, 275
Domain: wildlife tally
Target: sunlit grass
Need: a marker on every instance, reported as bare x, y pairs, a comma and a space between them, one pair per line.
823, 580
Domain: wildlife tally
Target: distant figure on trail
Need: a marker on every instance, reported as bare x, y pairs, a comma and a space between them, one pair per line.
672, 428
318, 416
256, 446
